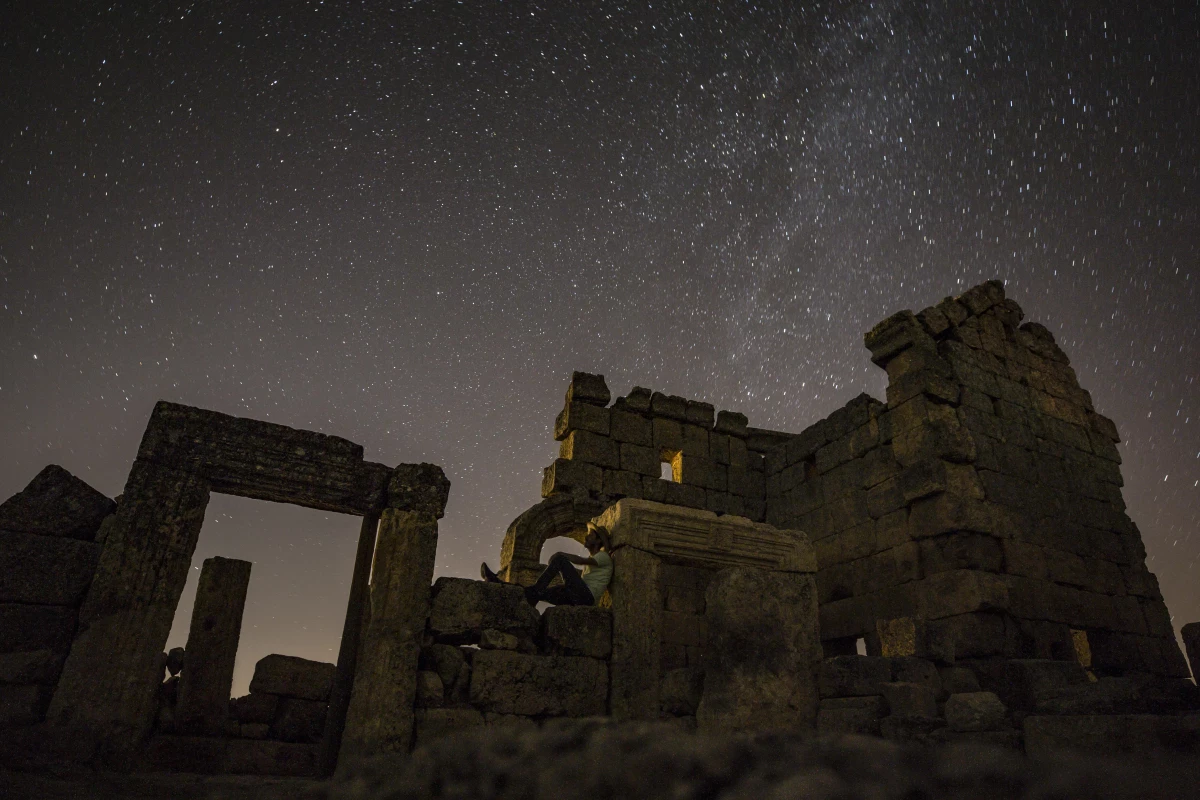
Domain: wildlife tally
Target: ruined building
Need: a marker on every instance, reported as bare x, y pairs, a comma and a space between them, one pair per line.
968, 535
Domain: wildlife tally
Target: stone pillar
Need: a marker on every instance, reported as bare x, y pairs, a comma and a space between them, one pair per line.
207, 678
107, 692
637, 626
763, 652
380, 714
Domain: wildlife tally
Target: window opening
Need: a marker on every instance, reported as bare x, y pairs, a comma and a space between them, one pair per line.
672, 465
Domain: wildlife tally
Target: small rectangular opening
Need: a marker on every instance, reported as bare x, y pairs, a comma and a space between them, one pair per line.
860, 646
672, 466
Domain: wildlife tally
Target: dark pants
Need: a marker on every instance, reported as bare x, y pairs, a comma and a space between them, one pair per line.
573, 592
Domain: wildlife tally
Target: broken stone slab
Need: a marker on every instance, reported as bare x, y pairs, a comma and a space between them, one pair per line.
762, 651
432, 724
463, 608
46, 570
975, 711
255, 708
851, 715
421, 488
56, 503
37, 666
512, 683
292, 676
492, 639
681, 690
299, 720
213, 636
850, 676
588, 388
578, 630
909, 699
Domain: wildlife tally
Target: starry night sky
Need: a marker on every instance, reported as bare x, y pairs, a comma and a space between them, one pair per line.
406, 227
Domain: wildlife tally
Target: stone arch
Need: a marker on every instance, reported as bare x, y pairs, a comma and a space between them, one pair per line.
560, 514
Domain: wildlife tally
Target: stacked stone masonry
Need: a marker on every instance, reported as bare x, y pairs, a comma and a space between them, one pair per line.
982, 498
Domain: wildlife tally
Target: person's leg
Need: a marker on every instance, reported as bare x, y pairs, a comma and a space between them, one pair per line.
558, 565
578, 591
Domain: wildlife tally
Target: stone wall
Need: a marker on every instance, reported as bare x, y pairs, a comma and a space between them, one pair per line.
982, 499
48, 555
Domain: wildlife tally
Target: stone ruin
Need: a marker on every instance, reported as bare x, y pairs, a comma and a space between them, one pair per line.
953, 564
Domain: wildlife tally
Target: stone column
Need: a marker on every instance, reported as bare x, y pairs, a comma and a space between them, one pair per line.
763, 652
637, 627
107, 692
207, 677
380, 714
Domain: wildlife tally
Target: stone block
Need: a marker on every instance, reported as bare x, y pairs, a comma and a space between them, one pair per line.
637, 401
291, 676
669, 406
739, 455
681, 690
969, 635
588, 388
446, 660
204, 755
903, 636
580, 416
511, 683
763, 651
213, 636
578, 630
56, 503
420, 488
492, 639
957, 551
688, 630
299, 720
26, 627
433, 724
732, 423
254, 730
621, 483
853, 676
916, 730
718, 447
23, 705
975, 711
626, 426
909, 699
947, 513
850, 715
36, 666
699, 413
1020, 683
638, 460
680, 494
564, 475
45, 570
667, 434
590, 448
462, 608
1110, 734
255, 708
694, 442
264, 757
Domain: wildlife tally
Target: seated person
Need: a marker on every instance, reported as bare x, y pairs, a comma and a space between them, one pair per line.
577, 589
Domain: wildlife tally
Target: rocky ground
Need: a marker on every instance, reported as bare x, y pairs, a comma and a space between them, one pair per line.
593, 759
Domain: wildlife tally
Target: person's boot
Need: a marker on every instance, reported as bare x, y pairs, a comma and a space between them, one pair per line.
486, 573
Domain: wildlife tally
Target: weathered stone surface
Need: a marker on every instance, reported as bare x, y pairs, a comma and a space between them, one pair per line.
251, 757
380, 717
1019, 683
904, 636
47, 570
111, 677
681, 690
636, 620
850, 676
212, 644
578, 630
512, 683
1113, 733
255, 708
299, 720
579, 416
492, 639
588, 388
25, 627
23, 705
919, 730
958, 680
56, 503
291, 676
510, 721
446, 660
254, 730
420, 488
565, 474
975, 711
856, 715
433, 724
909, 699
462, 608
762, 653
431, 692
36, 666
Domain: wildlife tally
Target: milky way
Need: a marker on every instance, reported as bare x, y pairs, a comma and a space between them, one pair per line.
407, 226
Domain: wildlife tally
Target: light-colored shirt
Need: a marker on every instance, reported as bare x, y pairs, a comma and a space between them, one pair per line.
597, 577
